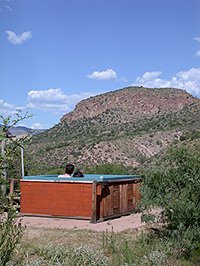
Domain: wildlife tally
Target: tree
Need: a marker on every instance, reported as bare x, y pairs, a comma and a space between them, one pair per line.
11, 230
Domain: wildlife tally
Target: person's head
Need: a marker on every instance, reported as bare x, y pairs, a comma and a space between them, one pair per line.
78, 174
69, 169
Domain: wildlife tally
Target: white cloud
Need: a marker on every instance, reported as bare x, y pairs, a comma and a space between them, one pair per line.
7, 109
54, 100
122, 79
108, 74
197, 53
5, 5
9, 8
50, 95
18, 39
188, 80
37, 126
33, 126
149, 76
151, 79
197, 39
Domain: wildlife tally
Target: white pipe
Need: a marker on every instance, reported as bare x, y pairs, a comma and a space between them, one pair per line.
4, 171
22, 161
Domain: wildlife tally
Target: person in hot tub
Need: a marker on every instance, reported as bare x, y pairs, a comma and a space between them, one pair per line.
69, 169
78, 173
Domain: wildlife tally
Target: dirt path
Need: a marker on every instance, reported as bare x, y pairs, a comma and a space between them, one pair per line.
132, 221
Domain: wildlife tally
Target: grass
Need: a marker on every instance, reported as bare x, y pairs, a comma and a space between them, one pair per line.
61, 247
42, 236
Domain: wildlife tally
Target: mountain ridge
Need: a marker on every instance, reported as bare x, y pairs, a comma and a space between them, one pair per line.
17, 131
132, 126
93, 106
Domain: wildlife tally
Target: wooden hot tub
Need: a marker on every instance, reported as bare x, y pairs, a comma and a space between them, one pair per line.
94, 197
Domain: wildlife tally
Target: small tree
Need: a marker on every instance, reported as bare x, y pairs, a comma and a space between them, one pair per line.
11, 230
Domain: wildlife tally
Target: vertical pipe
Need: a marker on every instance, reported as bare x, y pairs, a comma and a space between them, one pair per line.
4, 171
22, 161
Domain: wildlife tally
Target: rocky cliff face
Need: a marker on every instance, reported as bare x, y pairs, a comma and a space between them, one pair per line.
133, 102
128, 126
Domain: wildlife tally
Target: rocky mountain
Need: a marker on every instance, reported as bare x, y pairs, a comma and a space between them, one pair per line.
128, 126
131, 102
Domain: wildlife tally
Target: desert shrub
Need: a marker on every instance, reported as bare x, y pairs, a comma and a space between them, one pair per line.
149, 249
11, 232
55, 171
141, 158
183, 137
174, 186
107, 169
195, 134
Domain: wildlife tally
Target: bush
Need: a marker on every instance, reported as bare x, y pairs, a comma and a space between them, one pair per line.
195, 135
10, 233
148, 249
107, 169
174, 186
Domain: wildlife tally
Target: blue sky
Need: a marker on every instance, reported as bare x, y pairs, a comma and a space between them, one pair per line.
54, 53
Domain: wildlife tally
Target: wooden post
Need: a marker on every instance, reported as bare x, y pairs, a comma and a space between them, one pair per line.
94, 202
4, 171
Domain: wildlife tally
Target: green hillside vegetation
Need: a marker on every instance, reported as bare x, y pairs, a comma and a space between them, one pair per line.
109, 126
83, 138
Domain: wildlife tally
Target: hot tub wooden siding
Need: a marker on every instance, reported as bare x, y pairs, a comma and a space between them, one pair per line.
95, 200
115, 199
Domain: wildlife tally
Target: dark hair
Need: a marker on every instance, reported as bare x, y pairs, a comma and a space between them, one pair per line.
78, 174
69, 169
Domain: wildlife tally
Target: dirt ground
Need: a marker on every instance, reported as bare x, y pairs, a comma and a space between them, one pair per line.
123, 223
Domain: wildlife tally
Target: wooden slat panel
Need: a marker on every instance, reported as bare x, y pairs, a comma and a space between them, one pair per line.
125, 203
107, 205
116, 199
99, 189
111, 200
130, 197
137, 194
77, 199
67, 199
101, 208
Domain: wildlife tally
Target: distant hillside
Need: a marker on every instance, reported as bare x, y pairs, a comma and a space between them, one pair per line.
128, 126
20, 130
